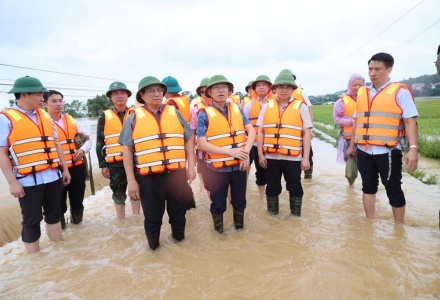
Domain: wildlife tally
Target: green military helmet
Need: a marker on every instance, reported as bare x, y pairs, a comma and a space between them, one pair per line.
147, 81
285, 78
27, 84
172, 84
216, 79
248, 86
203, 83
115, 86
261, 78
288, 72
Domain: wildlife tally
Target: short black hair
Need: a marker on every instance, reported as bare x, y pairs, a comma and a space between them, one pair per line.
50, 93
386, 58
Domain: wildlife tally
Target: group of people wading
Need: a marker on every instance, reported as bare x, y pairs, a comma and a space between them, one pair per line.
153, 151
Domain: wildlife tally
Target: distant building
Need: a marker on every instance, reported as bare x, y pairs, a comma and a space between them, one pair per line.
417, 86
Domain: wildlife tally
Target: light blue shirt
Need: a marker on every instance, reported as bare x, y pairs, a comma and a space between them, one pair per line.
42, 177
409, 110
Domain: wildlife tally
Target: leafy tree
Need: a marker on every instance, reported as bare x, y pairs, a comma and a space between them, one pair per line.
97, 104
76, 109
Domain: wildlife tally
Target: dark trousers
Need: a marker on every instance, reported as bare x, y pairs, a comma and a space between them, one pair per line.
371, 166
42, 199
75, 189
219, 183
292, 175
203, 169
158, 191
260, 172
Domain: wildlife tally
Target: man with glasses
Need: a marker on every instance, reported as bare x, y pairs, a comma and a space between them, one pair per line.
158, 141
31, 162
109, 151
68, 128
221, 132
284, 139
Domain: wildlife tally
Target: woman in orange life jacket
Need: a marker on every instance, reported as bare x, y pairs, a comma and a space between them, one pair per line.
158, 141
182, 104
385, 115
32, 165
343, 115
67, 128
109, 151
221, 133
205, 101
283, 141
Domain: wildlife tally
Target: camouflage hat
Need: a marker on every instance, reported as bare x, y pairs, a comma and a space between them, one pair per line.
27, 84
115, 86
147, 81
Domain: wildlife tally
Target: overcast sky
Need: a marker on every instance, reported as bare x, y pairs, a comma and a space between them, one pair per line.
323, 42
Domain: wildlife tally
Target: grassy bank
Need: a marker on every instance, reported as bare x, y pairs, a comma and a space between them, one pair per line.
428, 121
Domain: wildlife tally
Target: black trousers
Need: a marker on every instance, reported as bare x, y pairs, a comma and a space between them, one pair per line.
260, 172
75, 189
291, 170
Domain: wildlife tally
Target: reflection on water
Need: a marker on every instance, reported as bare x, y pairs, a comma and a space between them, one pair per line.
331, 252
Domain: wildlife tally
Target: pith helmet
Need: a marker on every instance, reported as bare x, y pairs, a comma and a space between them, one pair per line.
147, 81
203, 83
248, 86
27, 84
172, 84
288, 72
285, 78
115, 86
216, 79
261, 78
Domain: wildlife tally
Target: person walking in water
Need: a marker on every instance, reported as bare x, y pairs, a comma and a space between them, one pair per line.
109, 151
385, 120
68, 128
284, 139
221, 132
158, 141
31, 159
343, 117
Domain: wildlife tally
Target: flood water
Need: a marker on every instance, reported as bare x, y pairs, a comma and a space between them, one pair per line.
331, 252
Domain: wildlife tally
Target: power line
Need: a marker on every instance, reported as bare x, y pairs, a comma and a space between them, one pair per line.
56, 72
66, 84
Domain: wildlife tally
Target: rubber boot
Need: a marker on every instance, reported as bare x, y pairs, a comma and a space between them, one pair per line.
63, 222
295, 205
76, 215
273, 205
239, 218
178, 232
153, 240
218, 223
308, 173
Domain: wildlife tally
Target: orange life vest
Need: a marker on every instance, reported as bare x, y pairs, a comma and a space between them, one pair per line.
379, 120
225, 132
112, 130
236, 98
66, 138
246, 100
298, 95
158, 145
256, 107
283, 130
32, 147
349, 108
182, 103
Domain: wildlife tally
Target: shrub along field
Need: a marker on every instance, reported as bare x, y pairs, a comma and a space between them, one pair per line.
428, 123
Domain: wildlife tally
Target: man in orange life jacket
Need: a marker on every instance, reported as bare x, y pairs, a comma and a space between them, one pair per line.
109, 151
385, 114
261, 94
205, 101
299, 94
67, 128
181, 103
284, 139
31, 159
221, 132
158, 141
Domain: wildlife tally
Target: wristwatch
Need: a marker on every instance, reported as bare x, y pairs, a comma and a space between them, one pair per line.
414, 147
